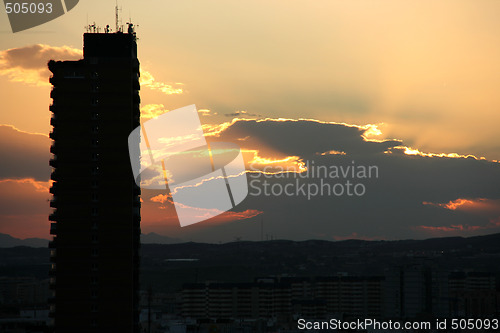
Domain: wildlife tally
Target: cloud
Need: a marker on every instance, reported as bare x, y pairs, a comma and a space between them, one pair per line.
150, 111
162, 198
243, 113
147, 80
288, 151
454, 195
166, 205
265, 165
332, 152
473, 205
488, 209
459, 229
231, 216
24, 154
206, 112
392, 204
416, 152
302, 137
28, 64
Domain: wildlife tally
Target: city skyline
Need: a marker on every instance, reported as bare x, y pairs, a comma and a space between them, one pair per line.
329, 83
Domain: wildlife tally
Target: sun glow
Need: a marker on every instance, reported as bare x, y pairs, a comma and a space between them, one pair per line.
415, 152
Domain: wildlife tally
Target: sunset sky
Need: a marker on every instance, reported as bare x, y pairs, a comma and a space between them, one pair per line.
409, 86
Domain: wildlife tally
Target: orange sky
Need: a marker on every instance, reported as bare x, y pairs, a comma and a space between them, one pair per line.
428, 70
424, 72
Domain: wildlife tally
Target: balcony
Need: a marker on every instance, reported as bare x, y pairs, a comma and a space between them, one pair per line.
53, 243
53, 189
52, 66
137, 202
137, 190
136, 85
53, 134
53, 255
53, 217
53, 162
53, 228
53, 93
136, 99
53, 80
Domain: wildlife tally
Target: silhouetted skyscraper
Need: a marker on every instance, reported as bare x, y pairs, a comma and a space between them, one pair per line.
96, 221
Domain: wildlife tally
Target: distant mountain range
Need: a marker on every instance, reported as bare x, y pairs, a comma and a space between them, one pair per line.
242, 261
486, 242
168, 259
9, 241
468, 246
154, 238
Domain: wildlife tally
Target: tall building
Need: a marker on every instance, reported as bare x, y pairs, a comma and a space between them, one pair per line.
418, 289
353, 296
473, 294
96, 218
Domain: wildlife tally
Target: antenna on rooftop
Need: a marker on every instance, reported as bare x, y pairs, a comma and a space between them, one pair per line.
117, 17
131, 27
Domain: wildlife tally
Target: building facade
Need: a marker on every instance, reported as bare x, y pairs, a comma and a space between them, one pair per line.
96, 217
282, 298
